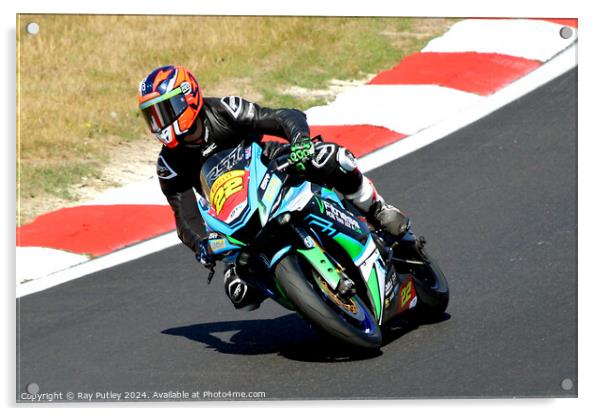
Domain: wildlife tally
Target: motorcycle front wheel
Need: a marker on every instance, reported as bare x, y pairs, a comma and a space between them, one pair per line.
347, 320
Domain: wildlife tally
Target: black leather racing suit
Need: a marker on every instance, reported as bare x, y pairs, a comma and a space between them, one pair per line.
227, 122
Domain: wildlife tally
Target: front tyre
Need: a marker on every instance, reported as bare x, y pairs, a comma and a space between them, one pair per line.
350, 322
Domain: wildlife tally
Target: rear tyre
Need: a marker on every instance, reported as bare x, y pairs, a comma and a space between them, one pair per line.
432, 289
429, 281
352, 323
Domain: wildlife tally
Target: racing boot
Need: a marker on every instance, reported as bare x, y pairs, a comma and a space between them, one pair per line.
242, 295
378, 213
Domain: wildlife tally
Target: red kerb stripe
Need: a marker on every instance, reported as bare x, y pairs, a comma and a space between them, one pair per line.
479, 73
96, 229
360, 139
566, 22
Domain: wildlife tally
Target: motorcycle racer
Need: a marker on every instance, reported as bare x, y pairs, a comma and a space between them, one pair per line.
192, 127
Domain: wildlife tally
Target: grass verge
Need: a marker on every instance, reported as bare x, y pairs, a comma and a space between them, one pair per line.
78, 78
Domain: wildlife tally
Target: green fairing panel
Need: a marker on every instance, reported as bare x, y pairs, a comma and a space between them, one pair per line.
374, 291
353, 247
235, 241
322, 264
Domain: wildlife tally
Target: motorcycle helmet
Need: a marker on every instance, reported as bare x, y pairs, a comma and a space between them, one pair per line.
170, 101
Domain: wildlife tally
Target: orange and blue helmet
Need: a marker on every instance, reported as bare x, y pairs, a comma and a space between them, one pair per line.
170, 100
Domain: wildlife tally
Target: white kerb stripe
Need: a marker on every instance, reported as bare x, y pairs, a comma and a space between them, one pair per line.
564, 62
531, 39
101, 263
401, 108
145, 192
35, 262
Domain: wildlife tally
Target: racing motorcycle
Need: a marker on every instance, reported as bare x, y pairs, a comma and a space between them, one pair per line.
312, 252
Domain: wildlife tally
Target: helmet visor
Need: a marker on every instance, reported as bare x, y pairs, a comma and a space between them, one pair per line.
162, 111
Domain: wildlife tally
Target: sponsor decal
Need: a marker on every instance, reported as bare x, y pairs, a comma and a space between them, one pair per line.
186, 88
270, 192
164, 171
389, 284
236, 211
308, 242
207, 151
217, 244
224, 187
226, 163
265, 181
233, 105
321, 222
341, 217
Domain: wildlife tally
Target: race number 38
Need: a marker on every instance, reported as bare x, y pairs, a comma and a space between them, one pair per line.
225, 186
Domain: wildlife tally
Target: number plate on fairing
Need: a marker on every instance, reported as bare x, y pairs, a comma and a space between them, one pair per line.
228, 195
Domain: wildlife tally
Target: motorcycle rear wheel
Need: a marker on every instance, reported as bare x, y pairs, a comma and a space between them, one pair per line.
432, 289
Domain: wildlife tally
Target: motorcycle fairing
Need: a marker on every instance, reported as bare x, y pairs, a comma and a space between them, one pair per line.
326, 216
256, 171
295, 199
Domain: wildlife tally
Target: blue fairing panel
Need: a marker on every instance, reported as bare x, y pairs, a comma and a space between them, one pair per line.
256, 172
331, 195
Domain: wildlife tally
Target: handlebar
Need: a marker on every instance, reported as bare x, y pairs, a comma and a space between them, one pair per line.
283, 167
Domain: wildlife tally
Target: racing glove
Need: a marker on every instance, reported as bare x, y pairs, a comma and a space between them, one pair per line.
302, 152
203, 254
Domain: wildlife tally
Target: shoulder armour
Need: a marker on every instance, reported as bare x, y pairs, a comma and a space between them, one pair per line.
233, 105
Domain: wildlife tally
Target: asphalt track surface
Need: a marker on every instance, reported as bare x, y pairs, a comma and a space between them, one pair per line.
497, 202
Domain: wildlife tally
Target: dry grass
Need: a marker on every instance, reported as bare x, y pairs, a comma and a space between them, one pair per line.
78, 78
